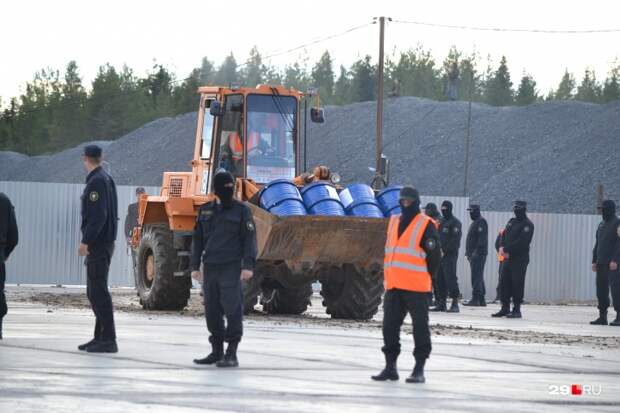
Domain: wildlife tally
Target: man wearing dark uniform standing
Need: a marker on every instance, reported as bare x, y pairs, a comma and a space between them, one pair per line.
225, 239
515, 248
99, 229
605, 258
411, 256
450, 239
8, 242
476, 250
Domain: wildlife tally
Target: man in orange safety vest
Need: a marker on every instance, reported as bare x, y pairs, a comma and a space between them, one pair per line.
412, 254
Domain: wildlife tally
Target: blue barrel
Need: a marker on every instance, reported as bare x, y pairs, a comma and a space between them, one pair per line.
359, 201
388, 200
281, 197
322, 198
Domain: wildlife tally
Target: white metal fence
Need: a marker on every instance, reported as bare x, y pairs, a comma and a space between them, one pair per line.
48, 216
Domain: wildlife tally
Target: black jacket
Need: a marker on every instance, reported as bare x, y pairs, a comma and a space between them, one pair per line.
131, 220
607, 245
99, 209
224, 235
430, 244
517, 238
450, 236
8, 227
477, 241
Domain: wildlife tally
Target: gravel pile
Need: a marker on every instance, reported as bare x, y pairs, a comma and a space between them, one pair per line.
551, 154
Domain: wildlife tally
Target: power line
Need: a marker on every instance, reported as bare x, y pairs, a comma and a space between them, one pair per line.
500, 29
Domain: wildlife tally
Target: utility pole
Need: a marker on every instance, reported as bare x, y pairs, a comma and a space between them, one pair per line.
600, 195
379, 134
467, 136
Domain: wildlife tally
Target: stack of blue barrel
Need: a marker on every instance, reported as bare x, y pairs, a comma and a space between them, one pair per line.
281, 197
359, 201
388, 200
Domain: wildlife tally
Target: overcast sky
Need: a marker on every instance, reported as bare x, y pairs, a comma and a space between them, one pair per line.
178, 33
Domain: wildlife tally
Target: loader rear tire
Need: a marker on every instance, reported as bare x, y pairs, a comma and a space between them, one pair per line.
352, 294
288, 300
157, 261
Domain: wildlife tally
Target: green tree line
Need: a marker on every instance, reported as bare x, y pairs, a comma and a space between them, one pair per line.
58, 111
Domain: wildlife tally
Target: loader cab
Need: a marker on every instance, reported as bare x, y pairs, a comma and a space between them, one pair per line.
250, 132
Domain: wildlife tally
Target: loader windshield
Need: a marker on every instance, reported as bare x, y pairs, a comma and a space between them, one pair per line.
271, 137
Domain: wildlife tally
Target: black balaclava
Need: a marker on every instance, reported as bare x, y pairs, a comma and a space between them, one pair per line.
408, 213
446, 209
608, 209
520, 212
224, 185
431, 210
474, 214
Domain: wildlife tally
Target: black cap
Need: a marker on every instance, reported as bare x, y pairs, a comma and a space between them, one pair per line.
140, 190
520, 204
409, 193
473, 207
431, 205
93, 151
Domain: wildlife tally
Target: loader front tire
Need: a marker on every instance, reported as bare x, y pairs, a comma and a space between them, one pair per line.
287, 300
157, 260
350, 293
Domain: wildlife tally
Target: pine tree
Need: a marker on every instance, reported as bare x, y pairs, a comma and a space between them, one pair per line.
611, 90
342, 88
499, 87
323, 77
566, 87
206, 72
589, 90
526, 94
363, 83
296, 76
227, 72
253, 73
70, 119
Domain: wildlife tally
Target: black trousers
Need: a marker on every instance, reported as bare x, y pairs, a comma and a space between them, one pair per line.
607, 280
97, 268
512, 280
223, 299
498, 290
396, 305
477, 275
3, 307
447, 282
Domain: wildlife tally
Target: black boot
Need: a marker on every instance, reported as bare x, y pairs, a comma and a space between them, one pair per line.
482, 301
503, 312
454, 308
602, 318
516, 312
83, 347
389, 372
103, 346
440, 305
616, 322
418, 372
217, 352
230, 358
474, 302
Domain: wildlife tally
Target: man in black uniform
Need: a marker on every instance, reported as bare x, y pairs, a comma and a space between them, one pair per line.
605, 258
225, 239
131, 219
515, 248
431, 211
476, 250
450, 240
8, 242
99, 229
408, 283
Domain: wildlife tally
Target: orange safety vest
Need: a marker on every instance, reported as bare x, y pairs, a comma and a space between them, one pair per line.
500, 257
236, 147
404, 266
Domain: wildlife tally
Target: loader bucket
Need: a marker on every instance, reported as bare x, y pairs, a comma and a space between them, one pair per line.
324, 239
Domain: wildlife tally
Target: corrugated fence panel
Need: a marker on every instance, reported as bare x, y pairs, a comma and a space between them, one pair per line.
49, 222
48, 216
